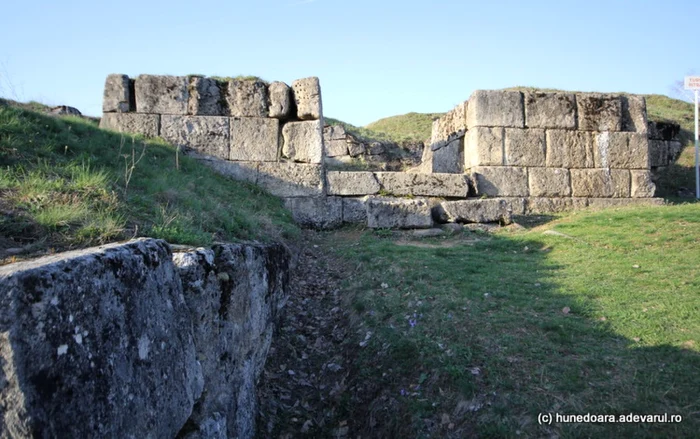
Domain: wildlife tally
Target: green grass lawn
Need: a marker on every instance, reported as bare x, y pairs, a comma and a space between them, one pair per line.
475, 336
64, 183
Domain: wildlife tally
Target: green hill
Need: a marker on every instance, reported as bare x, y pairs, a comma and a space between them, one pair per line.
407, 127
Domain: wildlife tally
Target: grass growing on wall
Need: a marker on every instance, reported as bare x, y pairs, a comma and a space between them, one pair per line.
65, 183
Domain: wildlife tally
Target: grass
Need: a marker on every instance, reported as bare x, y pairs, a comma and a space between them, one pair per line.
412, 127
476, 337
64, 183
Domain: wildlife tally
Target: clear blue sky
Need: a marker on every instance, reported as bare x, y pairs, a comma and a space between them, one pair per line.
374, 58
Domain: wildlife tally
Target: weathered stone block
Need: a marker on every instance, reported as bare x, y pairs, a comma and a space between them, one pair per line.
503, 181
539, 206
549, 182
307, 97
600, 183
145, 124
355, 149
334, 132
451, 125
206, 134
550, 110
335, 148
658, 153
495, 108
391, 213
634, 114
484, 146
354, 210
599, 112
316, 212
487, 210
280, 100
205, 97
161, 94
396, 183
291, 179
351, 183
117, 94
570, 149
606, 203
241, 171
642, 186
440, 185
524, 147
449, 159
248, 98
303, 141
621, 150
254, 139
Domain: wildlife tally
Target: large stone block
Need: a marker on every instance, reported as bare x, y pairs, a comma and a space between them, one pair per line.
161, 94
291, 179
145, 124
621, 150
448, 159
524, 147
335, 148
486, 210
599, 112
307, 97
396, 183
634, 114
503, 181
280, 100
495, 108
658, 153
254, 139
570, 149
600, 183
451, 125
248, 98
391, 213
117, 94
206, 134
550, 110
354, 210
549, 182
641, 185
607, 203
539, 206
97, 343
483, 146
440, 185
316, 212
303, 141
205, 97
351, 183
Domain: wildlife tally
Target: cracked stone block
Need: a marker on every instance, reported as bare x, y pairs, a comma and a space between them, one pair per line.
570, 149
449, 159
291, 179
599, 112
642, 185
147, 125
307, 97
549, 182
621, 150
161, 94
495, 108
524, 147
550, 110
483, 146
205, 97
303, 141
117, 94
486, 210
248, 98
440, 185
451, 125
398, 213
254, 139
352, 183
600, 183
206, 134
316, 212
280, 100
500, 181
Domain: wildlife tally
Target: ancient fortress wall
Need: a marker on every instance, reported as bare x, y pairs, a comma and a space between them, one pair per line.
497, 154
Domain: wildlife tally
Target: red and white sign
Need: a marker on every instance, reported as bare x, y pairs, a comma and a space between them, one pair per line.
692, 82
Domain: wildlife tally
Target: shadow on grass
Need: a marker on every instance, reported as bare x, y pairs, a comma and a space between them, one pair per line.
477, 340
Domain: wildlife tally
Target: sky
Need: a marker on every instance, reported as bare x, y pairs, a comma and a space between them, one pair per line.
374, 58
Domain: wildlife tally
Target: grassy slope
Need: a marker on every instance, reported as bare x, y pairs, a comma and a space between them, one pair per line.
476, 339
65, 183
410, 127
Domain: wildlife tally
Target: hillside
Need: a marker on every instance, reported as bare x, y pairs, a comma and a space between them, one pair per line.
65, 183
410, 126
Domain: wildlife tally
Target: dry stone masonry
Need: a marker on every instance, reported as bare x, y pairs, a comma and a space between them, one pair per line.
497, 154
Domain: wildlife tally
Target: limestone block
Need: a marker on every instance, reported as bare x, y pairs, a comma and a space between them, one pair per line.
356, 149
549, 182
658, 153
550, 110
484, 146
117, 94
334, 132
205, 97
621, 150
335, 148
570, 149
354, 210
606, 203
161, 94
280, 100
500, 181
291, 179
525, 147
516, 205
486, 210
600, 183
390, 213
303, 141
248, 98
599, 112
351, 183
440, 185
206, 134
254, 139
307, 97
241, 171
451, 125
396, 183
642, 186
147, 125
539, 206
448, 159
634, 114
495, 108
316, 212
